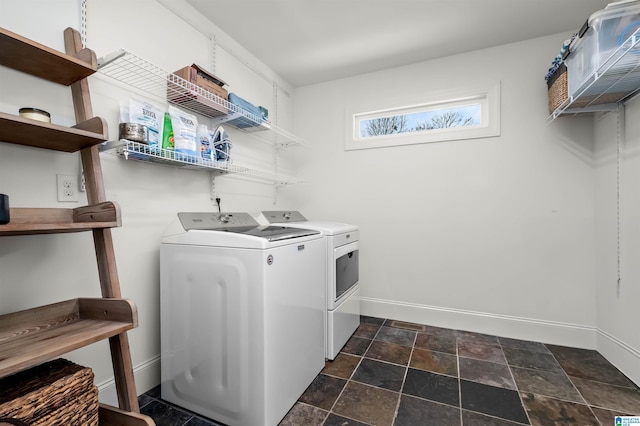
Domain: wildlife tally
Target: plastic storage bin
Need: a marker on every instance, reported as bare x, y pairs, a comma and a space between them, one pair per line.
598, 39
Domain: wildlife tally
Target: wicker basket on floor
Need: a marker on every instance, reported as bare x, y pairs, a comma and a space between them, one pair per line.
58, 392
557, 86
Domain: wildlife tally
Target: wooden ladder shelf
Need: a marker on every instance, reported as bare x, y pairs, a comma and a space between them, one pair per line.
30, 337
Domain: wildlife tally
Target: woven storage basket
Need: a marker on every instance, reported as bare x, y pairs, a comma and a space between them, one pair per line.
57, 392
557, 88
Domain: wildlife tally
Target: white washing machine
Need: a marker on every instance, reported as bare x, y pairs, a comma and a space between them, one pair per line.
341, 259
242, 316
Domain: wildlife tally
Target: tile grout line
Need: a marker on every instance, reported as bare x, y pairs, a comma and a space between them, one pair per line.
574, 386
404, 379
459, 380
513, 377
406, 369
307, 405
351, 375
179, 409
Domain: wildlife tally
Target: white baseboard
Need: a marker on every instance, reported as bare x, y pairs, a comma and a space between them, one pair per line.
623, 356
620, 354
557, 333
147, 376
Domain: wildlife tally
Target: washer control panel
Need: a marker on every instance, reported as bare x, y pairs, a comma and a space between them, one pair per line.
216, 221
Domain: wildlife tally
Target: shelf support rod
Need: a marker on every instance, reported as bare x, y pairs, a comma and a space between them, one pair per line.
275, 145
620, 137
212, 193
212, 52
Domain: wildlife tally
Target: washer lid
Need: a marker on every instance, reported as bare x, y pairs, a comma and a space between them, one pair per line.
295, 218
239, 223
278, 233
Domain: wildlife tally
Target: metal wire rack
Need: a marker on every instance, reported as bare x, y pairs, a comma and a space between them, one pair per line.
141, 74
130, 69
137, 151
617, 79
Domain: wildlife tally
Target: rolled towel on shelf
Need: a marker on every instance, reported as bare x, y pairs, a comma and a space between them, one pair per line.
243, 122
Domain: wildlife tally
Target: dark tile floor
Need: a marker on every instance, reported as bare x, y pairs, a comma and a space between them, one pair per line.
404, 374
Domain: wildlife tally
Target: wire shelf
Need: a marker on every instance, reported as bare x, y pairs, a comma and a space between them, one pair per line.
129, 69
141, 74
616, 80
136, 72
130, 150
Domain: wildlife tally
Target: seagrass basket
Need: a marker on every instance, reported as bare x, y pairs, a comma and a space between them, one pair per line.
57, 392
557, 88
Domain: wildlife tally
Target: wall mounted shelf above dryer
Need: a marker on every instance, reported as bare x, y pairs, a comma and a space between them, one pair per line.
615, 81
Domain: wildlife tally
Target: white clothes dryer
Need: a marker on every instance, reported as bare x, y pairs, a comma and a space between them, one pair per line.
242, 316
341, 259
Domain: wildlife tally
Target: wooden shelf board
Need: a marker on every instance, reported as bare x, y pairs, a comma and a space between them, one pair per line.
36, 59
29, 221
33, 336
54, 228
28, 132
112, 416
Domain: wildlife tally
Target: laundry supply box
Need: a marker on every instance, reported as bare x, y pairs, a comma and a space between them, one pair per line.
197, 75
603, 33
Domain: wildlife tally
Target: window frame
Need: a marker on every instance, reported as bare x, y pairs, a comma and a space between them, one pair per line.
488, 96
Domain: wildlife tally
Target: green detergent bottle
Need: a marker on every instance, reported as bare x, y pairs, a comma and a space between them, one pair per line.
168, 144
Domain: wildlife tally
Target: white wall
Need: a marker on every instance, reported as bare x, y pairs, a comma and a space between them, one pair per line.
618, 337
514, 235
493, 235
38, 270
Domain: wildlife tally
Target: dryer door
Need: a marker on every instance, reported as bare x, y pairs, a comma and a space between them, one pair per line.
347, 270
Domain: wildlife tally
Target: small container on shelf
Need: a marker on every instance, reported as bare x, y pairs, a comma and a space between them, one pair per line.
4, 209
134, 132
35, 114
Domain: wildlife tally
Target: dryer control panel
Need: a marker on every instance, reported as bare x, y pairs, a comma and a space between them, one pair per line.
283, 216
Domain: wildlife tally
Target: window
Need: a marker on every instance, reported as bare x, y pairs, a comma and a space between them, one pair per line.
462, 114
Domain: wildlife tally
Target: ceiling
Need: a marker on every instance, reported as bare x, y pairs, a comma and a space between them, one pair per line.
311, 41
